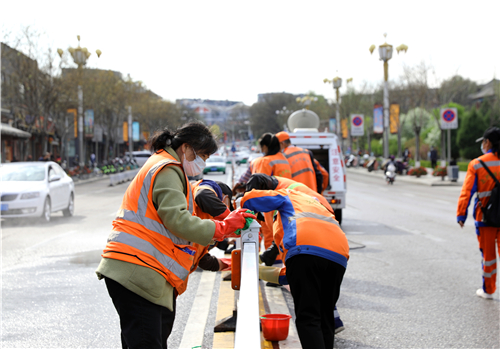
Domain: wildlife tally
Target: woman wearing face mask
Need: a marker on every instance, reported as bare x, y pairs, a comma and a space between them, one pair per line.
149, 253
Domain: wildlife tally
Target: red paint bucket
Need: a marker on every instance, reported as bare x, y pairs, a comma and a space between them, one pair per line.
275, 326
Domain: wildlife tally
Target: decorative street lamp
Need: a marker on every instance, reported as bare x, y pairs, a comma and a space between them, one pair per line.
337, 83
306, 100
385, 53
80, 56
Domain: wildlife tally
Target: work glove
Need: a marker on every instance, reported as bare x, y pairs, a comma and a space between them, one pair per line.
234, 221
269, 256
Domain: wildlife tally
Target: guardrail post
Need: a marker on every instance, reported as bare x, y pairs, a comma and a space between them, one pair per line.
247, 323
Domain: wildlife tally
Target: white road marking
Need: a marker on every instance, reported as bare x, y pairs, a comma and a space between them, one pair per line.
418, 232
51, 239
195, 325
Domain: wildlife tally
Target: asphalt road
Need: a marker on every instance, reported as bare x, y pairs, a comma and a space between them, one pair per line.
410, 282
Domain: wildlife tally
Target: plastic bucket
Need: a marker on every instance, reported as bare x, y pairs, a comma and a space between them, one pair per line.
275, 326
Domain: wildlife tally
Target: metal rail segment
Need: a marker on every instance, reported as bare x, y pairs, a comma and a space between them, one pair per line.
247, 323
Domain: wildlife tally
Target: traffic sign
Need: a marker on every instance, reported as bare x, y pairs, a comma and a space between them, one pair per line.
357, 125
449, 118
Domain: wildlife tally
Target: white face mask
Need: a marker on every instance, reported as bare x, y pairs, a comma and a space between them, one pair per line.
195, 167
482, 149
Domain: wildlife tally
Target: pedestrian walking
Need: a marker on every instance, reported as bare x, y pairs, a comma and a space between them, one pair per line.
434, 157
315, 252
150, 252
478, 181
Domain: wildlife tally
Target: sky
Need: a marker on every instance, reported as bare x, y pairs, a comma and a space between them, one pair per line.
234, 50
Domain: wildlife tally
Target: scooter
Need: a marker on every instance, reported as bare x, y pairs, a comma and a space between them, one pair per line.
351, 161
390, 174
371, 164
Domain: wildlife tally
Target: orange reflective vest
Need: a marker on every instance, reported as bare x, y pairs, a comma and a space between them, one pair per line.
139, 236
324, 173
285, 183
302, 167
302, 225
272, 165
477, 180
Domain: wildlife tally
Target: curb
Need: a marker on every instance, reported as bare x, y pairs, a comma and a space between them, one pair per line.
90, 180
424, 180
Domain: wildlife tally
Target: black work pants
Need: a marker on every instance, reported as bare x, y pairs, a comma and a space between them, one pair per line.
315, 287
144, 325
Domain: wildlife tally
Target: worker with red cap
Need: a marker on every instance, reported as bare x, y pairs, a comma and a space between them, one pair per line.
302, 163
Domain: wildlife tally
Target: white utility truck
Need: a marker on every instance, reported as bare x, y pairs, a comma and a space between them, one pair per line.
303, 131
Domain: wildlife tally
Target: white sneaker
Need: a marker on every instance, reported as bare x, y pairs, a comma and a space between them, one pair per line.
483, 294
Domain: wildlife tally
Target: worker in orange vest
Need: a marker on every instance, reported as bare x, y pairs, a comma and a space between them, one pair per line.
150, 253
314, 250
301, 162
272, 163
479, 181
324, 174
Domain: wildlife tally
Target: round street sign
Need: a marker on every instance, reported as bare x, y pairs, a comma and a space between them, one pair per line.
449, 115
357, 121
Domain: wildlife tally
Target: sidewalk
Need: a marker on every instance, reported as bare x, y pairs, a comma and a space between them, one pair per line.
428, 179
79, 181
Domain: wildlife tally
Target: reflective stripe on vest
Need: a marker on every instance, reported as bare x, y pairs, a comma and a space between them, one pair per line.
313, 215
278, 162
484, 194
488, 275
295, 185
488, 163
298, 152
148, 248
489, 263
295, 174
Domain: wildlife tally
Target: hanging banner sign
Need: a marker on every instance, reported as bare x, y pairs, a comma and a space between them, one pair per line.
125, 131
72, 112
378, 119
135, 131
88, 123
394, 118
449, 118
357, 125
333, 125
345, 130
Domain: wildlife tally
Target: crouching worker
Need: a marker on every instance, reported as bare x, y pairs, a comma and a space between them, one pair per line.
212, 200
314, 251
149, 252
262, 181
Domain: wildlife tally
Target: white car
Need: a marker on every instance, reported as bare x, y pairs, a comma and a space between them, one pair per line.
35, 189
215, 163
140, 156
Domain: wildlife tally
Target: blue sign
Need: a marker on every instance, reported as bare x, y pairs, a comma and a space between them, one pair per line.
378, 119
136, 131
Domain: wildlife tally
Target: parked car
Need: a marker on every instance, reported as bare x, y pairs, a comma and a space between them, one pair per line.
254, 156
241, 157
140, 156
215, 164
35, 189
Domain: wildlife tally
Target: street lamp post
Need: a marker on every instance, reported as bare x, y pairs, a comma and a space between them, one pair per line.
385, 53
337, 83
80, 56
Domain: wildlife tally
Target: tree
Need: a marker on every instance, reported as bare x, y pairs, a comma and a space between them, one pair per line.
472, 127
457, 90
263, 114
415, 80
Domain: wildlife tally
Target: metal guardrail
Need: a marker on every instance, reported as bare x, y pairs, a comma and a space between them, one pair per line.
247, 323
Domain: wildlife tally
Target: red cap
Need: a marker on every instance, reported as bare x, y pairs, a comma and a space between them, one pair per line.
282, 136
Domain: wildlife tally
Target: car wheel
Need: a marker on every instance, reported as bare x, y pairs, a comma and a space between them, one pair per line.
46, 210
69, 211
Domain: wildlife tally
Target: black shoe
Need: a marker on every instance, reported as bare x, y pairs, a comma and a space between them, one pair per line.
271, 284
269, 256
230, 249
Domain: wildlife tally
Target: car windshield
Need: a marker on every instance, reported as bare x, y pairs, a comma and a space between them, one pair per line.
215, 159
22, 173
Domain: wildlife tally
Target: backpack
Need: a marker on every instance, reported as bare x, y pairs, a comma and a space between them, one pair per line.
491, 213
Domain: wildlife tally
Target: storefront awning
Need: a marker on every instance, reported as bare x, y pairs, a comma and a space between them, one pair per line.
7, 130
